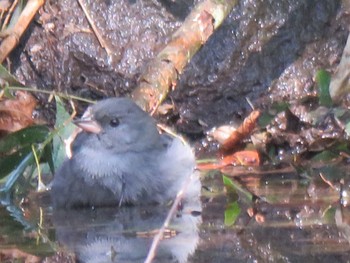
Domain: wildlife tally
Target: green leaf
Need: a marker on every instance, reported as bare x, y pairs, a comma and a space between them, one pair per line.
7, 92
227, 182
10, 79
9, 162
325, 156
323, 79
231, 213
47, 156
23, 138
265, 119
279, 106
13, 176
343, 147
63, 132
15, 146
235, 186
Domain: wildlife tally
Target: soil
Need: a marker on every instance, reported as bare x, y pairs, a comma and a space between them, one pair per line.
265, 51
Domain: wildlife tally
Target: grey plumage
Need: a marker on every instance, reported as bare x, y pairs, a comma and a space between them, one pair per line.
121, 159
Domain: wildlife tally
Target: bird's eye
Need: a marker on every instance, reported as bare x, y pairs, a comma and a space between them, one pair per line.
114, 122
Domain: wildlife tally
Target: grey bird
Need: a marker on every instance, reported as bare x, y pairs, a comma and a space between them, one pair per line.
121, 158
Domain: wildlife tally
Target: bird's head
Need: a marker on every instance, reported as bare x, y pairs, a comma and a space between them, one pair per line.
118, 124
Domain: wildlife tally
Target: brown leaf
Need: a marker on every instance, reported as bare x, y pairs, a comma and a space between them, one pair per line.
16, 114
247, 158
243, 158
11, 254
242, 131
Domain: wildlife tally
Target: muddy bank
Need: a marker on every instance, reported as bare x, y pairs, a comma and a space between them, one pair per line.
264, 49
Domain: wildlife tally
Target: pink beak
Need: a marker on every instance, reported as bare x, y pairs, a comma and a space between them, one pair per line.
87, 123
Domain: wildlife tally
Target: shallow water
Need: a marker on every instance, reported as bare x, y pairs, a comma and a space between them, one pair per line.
292, 219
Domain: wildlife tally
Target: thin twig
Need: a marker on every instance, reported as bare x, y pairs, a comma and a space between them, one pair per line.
94, 28
41, 185
11, 41
171, 132
52, 93
327, 181
6, 21
158, 237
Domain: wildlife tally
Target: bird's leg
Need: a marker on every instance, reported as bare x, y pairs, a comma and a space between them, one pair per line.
122, 192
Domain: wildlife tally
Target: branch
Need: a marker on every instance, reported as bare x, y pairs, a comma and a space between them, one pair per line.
162, 73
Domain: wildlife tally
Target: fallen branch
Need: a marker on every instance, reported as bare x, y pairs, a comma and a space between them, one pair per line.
12, 39
162, 73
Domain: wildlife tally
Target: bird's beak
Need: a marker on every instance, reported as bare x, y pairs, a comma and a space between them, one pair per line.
87, 123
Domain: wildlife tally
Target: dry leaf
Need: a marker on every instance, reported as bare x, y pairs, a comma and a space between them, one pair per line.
242, 131
247, 158
16, 114
11, 254
243, 158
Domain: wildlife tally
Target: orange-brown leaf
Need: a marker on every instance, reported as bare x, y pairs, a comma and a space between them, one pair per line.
13, 254
16, 114
243, 158
247, 158
242, 131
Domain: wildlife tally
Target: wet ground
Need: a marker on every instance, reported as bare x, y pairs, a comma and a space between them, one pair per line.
293, 218
264, 49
